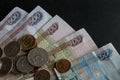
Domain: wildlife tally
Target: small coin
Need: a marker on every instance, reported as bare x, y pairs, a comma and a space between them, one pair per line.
37, 57
5, 66
63, 65
1, 52
14, 68
12, 49
23, 65
42, 75
27, 42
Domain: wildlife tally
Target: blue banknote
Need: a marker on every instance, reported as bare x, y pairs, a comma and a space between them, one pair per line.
84, 68
109, 60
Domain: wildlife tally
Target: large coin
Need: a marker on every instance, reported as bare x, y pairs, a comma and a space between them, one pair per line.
12, 49
37, 57
42, 75
63, 65
27, 42
5, 66
1, 52
23, 65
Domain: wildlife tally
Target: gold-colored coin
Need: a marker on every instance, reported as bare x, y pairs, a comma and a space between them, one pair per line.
63, 65
27, 42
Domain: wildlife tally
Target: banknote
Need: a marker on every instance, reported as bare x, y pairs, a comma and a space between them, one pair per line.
85, 68
73, 46
65, 49
57, 29
34, 21
53, 31
94, 67
109, 60
11, 21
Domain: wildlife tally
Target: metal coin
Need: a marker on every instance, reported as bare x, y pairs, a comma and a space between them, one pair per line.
5, 66
42, 75
27, 42
63, 65
37, 57
1, 52
12, 49
23, 65
14, 68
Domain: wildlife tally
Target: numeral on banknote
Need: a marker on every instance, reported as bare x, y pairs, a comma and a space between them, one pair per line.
35, 18
12, 19
75, 41
105, 54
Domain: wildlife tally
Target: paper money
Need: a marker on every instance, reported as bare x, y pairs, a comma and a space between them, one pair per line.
78, 43
74, 46
87, 68
53, 31
109, 60
94, 67
84, 68
34, 21
11, 21
63, 29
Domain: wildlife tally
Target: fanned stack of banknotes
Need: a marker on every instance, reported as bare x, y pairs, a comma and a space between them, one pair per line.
37, 46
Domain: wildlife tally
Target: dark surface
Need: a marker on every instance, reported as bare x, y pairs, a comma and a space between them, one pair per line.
101, 18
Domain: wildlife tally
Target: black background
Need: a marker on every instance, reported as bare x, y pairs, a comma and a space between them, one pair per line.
101, 18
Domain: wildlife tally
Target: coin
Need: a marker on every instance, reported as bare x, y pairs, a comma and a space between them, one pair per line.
1, 52
14, 68
12, 49
27, 42
37, 57
5, 66
63, 65
23, 65
42, 75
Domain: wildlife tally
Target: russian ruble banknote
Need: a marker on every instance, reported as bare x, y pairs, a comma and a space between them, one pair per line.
74, 46
53, 31
11, 21
84, 68
33, 22
109, 60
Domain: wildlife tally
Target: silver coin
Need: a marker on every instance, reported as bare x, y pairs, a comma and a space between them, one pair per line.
5, 66
37, 57
23, 65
